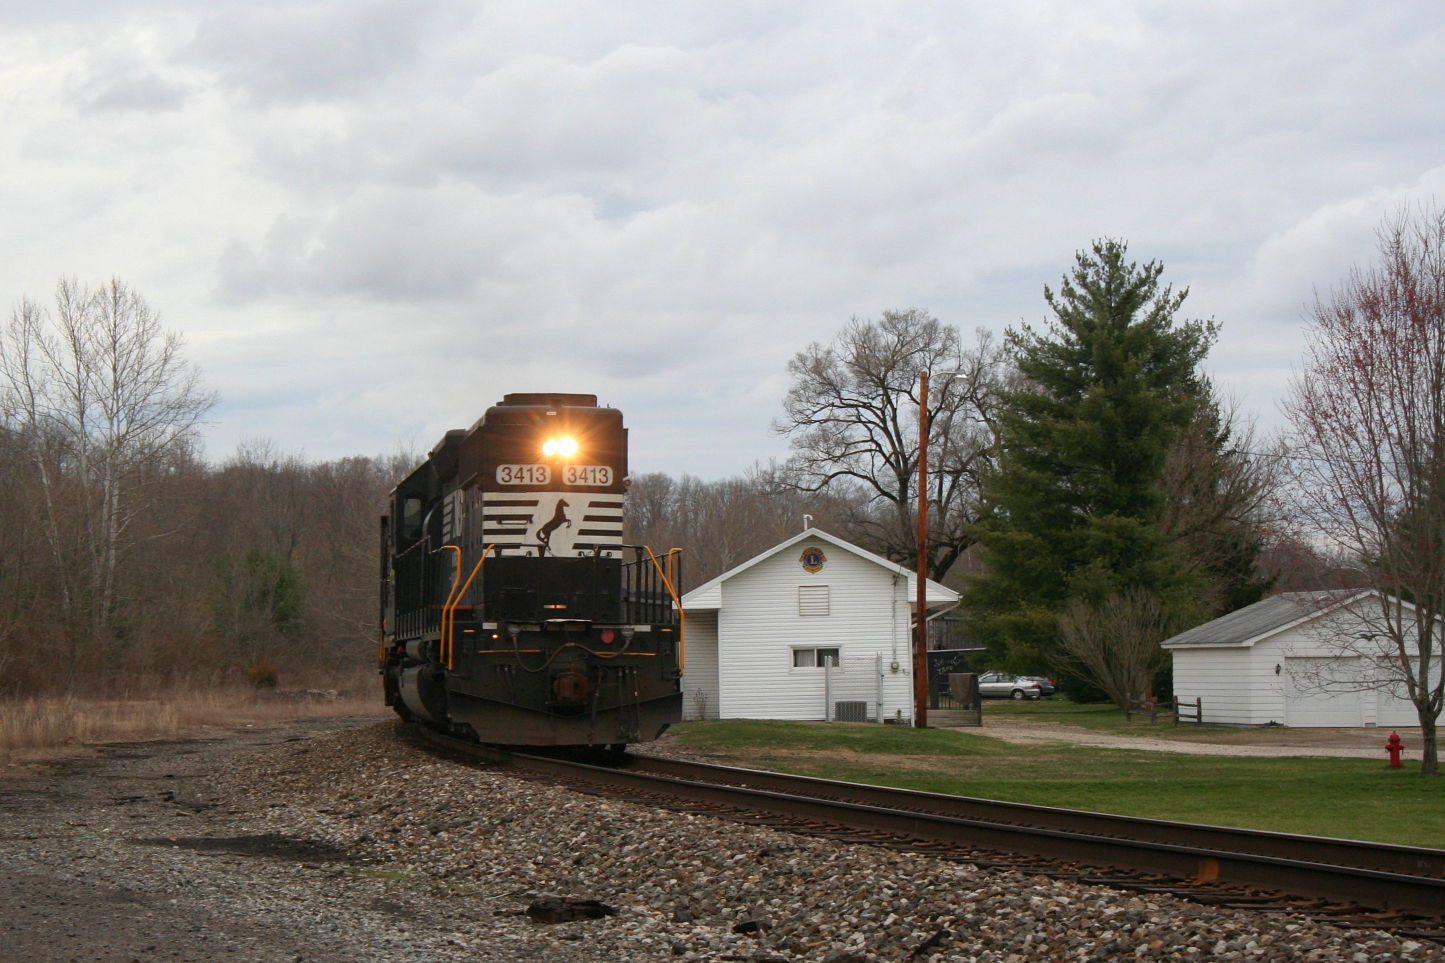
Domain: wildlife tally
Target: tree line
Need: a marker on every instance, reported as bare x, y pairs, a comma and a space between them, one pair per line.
1090, 490
129, 561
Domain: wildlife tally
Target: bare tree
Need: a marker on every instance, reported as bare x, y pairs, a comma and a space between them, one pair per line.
721, 524
347, 497
1368, 418
852, 416
651, 510
1114, 644
1218, 508
1299, 565
99, 393
18, 586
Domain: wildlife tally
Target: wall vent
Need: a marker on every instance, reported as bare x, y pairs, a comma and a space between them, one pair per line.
813, 599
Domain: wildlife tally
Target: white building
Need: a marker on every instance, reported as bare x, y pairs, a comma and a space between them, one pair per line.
1304, 659
808, 624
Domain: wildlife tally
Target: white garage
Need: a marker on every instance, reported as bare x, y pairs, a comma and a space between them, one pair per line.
1303, 659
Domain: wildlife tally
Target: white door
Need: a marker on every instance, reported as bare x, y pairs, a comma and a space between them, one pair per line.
1309, 700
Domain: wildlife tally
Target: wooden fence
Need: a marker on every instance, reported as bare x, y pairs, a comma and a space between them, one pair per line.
1189, 711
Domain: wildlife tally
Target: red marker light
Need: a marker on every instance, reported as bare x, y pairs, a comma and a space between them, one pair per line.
608, 636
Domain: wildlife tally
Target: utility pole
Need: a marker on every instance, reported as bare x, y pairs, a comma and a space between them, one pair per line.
920, 641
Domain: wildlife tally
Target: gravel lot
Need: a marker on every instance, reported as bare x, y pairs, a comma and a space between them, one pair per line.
1340, 743
336, 842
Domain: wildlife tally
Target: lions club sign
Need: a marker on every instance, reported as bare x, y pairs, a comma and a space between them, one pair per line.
813, 560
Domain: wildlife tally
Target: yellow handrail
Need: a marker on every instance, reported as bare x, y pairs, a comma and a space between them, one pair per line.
451, 594
454, 601
672, 591
672, 555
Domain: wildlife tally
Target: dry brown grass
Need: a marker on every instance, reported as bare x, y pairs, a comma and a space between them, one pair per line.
49, 727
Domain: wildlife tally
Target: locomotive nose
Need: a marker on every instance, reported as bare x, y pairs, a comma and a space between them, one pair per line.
570, 687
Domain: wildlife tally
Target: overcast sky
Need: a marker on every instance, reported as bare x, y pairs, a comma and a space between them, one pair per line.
371, 220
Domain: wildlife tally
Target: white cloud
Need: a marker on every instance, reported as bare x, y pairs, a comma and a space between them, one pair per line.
317, 49
372, 220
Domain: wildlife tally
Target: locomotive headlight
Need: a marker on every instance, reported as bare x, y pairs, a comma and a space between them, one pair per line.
565, 447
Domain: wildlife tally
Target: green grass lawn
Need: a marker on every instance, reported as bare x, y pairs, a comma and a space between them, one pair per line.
1350, 798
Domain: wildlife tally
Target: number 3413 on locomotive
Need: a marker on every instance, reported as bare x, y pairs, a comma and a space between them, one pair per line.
599, 476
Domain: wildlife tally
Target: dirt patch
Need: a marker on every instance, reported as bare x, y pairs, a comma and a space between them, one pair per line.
832, 757
1262, 742
1265, 741
265, 844
131, 854
1279, 736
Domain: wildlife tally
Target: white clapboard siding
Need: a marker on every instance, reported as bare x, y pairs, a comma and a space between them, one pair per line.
1216, 676
699, 674
759, 625
1239, 684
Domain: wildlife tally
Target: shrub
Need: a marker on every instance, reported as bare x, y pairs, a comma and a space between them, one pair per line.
263, 675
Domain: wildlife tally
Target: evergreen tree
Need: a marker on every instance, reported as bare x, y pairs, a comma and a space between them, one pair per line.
259, 602
1074, 509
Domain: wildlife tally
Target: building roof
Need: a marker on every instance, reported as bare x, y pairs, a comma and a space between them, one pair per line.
1244, 627
709, 594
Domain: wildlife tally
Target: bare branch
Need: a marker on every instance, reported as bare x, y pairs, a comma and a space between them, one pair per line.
852, 415
1368, 417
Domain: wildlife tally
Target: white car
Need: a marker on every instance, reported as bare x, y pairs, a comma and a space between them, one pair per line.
1001, 685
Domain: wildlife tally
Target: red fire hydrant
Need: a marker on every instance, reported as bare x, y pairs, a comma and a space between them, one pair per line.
1393, 746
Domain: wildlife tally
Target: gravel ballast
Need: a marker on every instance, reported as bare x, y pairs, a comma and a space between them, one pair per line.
324, 843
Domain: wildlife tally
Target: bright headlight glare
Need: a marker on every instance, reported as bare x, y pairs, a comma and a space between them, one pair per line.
566, 447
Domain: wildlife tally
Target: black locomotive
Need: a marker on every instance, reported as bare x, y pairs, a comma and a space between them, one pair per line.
510, 609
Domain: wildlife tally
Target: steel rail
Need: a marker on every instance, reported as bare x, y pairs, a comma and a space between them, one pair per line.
1381, 857
1352, 885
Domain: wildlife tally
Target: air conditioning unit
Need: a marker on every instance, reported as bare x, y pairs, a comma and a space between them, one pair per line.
850, 711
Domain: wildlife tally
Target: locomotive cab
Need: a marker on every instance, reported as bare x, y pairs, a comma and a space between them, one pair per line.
511, 609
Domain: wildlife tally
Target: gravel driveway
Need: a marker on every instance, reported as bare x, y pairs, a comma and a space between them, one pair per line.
338, 843
1347, 743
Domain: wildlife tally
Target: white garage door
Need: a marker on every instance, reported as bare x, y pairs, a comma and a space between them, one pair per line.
1393, 705
1393, 701
1394, 712
1307, 703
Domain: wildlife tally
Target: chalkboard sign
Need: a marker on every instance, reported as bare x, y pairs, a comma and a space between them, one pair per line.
942, 662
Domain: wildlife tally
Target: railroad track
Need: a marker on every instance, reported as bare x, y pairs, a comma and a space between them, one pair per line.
1396, 888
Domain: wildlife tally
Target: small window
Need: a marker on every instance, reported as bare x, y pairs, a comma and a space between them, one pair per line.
411, 517
813, 658
812, 600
